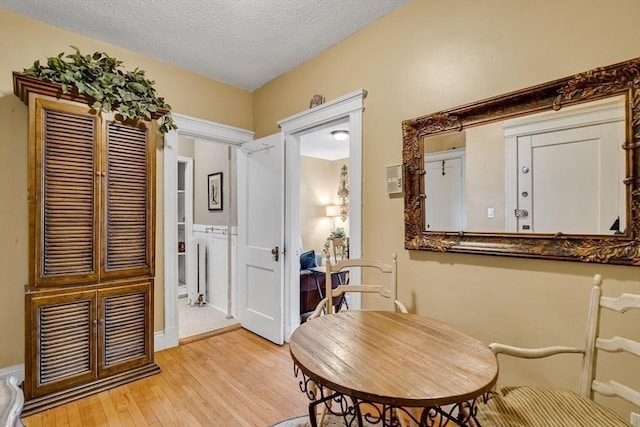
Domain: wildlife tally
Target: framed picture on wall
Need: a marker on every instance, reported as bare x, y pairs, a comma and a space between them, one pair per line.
214, 186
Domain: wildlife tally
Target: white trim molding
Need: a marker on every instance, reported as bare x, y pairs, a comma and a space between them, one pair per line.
203, 130
349, 106
159, 341
333, 110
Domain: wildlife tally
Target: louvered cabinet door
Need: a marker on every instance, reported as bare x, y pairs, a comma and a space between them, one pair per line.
61, 343
128, 222
125, 323
63, 194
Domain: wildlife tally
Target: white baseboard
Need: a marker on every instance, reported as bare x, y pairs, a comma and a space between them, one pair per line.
16, 371
165, 339
158, 341
171, 337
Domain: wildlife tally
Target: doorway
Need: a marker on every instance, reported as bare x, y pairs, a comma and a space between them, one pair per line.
324, 204
345, 109
189, 129
348, 107
207, 237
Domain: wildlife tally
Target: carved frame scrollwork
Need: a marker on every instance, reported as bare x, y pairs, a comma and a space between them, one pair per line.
613, 80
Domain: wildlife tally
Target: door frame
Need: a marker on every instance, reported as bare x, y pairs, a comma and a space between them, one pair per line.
188, 222
194, 128
351, 107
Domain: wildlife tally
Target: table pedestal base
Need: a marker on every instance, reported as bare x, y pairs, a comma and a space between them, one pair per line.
356, 411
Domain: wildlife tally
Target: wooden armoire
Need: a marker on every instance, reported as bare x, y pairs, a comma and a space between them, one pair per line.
89, 300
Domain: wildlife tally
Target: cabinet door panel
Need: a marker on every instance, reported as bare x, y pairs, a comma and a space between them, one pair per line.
124, 321
128, 202
89, 301
61, 343
64, 208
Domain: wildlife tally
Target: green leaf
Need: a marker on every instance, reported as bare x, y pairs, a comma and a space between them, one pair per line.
103, 78
124, 110
81, 86
137, 87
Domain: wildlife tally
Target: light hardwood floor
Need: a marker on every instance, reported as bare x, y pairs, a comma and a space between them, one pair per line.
233, 379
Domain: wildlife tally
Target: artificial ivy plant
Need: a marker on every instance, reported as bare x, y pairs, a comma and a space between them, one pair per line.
102, 78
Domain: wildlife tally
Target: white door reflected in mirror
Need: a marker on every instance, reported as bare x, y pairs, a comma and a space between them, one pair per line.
565, 169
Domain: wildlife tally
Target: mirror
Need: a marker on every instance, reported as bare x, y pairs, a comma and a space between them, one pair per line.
550, 171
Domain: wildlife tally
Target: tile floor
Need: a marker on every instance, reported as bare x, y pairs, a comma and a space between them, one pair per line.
195, 320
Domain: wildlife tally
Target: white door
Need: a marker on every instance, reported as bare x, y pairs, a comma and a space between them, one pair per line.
576, 171
444, 191
261, 236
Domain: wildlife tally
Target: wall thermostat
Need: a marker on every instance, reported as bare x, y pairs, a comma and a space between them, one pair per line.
394, 179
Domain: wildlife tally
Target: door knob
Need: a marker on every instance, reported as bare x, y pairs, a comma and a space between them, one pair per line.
276, 253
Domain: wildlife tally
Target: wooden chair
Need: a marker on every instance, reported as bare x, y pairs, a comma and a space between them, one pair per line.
340, 249
388, 291
539, 406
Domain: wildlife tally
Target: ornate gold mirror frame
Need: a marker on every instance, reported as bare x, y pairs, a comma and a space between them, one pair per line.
605, 82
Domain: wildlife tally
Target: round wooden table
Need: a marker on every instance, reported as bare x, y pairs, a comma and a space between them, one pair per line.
392, 359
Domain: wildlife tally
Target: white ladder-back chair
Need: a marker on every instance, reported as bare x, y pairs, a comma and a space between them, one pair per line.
538, 406
388, 290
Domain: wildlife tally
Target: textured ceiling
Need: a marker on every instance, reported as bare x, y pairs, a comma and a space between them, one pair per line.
245, 43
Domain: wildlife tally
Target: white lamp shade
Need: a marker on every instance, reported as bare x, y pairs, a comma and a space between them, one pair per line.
333, 210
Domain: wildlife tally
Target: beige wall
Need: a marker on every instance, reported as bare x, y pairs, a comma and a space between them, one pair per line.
319, 181
445, 141
210, 157
22, 41
436, 54
316, 191
186, 146
428, 56
485, 178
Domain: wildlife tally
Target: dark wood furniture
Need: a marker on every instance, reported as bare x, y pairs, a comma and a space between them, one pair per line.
89, 300
395, 361
312, 285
